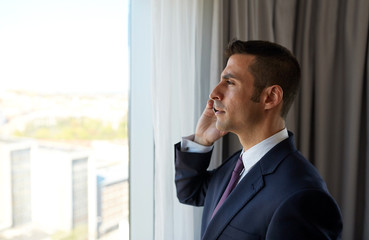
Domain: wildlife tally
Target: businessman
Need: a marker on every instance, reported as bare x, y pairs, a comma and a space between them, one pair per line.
267, 190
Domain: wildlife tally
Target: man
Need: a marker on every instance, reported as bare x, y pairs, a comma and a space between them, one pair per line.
268, 190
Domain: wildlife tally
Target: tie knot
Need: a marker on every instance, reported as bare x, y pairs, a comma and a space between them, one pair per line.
239, 166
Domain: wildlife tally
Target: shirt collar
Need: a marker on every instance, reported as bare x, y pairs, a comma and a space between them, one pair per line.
251, 156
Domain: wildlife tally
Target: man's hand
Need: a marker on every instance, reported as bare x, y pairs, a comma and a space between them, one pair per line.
206, 131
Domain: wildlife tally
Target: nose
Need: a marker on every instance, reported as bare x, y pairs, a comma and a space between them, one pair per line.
216, 93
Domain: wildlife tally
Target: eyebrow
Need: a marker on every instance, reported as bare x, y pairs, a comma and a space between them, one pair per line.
228, 75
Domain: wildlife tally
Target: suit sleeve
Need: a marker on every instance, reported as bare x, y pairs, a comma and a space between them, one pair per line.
191, 176
308, 214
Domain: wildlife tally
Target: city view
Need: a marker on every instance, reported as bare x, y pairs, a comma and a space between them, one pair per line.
64, 73
63, 166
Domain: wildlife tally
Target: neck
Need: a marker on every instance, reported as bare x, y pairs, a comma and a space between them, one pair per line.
257, 134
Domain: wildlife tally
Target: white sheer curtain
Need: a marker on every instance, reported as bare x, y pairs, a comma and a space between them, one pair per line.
173, 98
181, 84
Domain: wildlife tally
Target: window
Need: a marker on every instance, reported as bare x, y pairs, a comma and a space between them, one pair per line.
64, 71
20, 186
141, 130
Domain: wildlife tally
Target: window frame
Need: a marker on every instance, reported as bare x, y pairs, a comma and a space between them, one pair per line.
141, 137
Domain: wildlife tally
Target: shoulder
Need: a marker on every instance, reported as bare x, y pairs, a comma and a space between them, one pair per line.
285, 166
306, 214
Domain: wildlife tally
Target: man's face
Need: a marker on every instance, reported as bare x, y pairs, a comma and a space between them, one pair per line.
234, 109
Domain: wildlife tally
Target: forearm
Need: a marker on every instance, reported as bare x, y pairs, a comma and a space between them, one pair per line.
191, 176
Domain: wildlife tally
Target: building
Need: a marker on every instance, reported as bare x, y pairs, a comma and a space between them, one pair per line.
15, 183
112, 202
46, 186
63, 189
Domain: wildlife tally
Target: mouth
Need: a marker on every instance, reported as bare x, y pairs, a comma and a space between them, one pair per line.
217, 111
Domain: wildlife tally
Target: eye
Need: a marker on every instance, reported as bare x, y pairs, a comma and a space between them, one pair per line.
229, 82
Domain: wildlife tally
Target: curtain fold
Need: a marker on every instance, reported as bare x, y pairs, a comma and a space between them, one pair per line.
173, 101
185, 60
365, 149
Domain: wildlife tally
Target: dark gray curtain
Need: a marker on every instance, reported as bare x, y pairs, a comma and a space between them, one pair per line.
330, 115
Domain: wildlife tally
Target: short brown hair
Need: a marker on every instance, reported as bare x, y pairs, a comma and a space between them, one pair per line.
273, 64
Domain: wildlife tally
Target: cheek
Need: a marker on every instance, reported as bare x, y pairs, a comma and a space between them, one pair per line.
235, 97
247, 109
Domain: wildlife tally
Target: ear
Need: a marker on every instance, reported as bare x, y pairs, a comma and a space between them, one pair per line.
273, 96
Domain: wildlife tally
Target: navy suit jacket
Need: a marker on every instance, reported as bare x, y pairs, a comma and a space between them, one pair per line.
282, 197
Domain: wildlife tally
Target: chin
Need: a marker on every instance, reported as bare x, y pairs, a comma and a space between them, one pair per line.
221, 127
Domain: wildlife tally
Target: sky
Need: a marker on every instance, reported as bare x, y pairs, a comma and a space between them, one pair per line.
64, 45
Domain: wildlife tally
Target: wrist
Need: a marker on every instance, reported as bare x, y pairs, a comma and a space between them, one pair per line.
202, 141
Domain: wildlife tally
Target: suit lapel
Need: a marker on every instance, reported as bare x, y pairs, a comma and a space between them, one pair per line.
221, 184
249, 186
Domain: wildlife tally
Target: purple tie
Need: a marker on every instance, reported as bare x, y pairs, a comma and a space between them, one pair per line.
232, 183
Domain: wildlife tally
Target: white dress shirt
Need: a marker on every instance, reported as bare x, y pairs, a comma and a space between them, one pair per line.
249, 157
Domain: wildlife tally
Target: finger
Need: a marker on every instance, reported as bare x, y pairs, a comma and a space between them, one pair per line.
208, 111
210, 104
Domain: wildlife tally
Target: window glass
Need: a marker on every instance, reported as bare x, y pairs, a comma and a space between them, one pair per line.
63, 119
